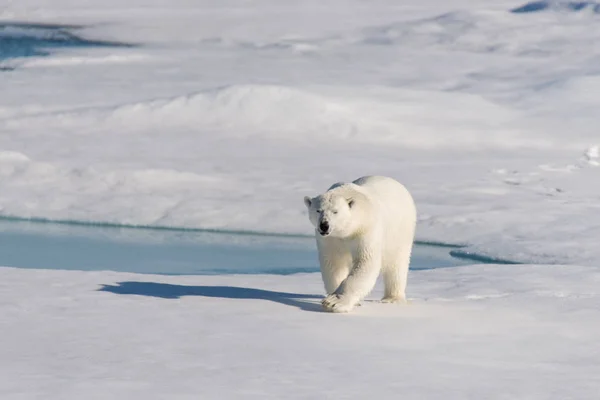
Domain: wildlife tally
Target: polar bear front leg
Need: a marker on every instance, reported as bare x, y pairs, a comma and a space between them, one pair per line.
335, 258
357, 285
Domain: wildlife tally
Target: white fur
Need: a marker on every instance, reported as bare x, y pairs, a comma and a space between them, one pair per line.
372, 227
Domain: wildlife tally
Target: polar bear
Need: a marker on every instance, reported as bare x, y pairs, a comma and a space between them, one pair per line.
362, 229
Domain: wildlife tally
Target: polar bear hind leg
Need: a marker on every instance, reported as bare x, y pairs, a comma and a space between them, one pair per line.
395, 275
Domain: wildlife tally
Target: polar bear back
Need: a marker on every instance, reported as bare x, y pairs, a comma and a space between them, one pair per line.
396, 207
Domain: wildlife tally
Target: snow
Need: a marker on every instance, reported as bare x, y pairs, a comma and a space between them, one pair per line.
223, 115
483, 331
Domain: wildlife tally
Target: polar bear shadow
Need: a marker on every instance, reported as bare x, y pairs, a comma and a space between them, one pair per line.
171, 291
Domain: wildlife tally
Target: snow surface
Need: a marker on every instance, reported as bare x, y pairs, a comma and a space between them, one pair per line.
224, 114
475, 332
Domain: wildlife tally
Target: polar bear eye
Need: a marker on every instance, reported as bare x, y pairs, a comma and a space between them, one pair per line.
335, 212
319, 211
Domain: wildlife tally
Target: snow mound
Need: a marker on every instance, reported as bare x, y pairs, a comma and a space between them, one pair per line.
12, 156
242, 107
592, 155
372, 115
93, 194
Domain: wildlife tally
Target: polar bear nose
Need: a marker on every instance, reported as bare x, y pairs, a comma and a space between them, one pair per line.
324, 227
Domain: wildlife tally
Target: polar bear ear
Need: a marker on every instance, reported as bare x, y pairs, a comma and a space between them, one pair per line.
350, 203
307, 201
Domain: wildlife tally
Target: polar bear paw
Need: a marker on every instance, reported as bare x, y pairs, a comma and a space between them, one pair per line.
394, 299
338, 303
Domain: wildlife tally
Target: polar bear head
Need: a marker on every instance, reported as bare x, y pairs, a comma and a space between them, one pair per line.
332, 214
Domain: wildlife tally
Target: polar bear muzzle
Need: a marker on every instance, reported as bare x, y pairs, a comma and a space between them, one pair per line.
324, 227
